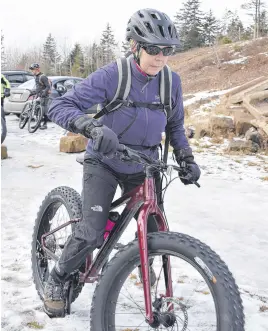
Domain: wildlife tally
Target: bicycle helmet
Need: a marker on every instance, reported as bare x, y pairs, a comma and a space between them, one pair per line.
150, 26
69, 84
34, 66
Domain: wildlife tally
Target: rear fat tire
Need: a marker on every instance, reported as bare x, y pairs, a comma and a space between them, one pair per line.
72, 201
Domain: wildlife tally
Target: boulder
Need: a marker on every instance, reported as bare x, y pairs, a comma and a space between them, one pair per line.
255, 136
4, 152
245, 146
242, 122
73, 144
222, 121
221, 125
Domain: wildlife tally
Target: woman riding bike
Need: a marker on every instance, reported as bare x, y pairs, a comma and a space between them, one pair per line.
152, 36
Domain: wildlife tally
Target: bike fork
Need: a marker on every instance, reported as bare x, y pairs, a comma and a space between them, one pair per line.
143, 246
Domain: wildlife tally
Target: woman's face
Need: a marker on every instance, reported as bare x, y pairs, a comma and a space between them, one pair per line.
152, 64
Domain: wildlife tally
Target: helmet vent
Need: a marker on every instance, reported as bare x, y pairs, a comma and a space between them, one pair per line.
140, 14
170, 30
155, 16
149, 27
138, 31
161, 30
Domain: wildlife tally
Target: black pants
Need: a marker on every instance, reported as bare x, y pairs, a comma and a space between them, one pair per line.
99, 187
45, 102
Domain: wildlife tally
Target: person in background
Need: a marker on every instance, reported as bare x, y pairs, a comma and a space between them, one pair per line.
43, 89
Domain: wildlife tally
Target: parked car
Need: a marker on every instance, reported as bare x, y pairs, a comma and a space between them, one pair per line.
21, 95
17, 77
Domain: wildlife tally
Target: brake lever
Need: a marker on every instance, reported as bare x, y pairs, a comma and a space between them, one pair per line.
127, 155
185, 173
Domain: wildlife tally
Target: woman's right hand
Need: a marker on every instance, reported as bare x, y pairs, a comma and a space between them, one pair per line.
105, 141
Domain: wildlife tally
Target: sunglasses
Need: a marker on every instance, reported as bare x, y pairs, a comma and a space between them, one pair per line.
155, 50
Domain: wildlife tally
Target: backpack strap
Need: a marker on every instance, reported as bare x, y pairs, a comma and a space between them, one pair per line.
165, 97
165, 89
123, 87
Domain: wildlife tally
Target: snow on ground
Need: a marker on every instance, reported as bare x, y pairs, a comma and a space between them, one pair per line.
203, 95
237, 61
229, 213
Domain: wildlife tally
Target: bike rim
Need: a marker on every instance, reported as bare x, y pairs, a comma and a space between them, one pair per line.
55, 215
195, 307
35, 119
23, 118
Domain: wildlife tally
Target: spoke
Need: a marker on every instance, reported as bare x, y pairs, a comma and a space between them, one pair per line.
133, 302
125, 306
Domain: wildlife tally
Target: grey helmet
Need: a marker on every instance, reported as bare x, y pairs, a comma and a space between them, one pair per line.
34, 66
150, 26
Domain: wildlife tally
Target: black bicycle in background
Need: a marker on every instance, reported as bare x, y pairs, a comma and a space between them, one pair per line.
32, 114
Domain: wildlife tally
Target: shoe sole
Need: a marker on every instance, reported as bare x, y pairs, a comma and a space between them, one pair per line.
54, 313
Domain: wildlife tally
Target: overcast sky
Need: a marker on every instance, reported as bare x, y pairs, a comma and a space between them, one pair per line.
28, 22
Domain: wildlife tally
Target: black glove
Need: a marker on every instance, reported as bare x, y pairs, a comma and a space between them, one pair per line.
185, 158
104, 139
7, 92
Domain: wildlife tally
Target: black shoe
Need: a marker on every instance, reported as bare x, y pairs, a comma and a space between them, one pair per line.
54, 300
151, 273
43, 127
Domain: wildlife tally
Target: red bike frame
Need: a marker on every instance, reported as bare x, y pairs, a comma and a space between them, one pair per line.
143, 199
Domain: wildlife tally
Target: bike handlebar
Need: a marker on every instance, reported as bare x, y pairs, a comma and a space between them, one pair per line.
128, 154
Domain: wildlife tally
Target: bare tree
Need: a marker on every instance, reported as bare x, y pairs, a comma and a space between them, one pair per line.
254, 8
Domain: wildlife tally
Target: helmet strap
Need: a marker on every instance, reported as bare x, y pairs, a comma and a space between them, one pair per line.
137, 53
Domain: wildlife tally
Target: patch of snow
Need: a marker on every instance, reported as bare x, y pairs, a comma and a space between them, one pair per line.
204, 95
237, 61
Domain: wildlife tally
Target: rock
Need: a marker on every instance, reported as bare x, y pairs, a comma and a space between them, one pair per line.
73, 144
201, 128
4, 152
242, 121
190, 132
255, 136
245, 146
222, 122
70, 134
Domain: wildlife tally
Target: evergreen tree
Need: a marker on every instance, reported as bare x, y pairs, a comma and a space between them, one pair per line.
107, 46
210, 28
76, 61
264, 23
235, 28
3, 53
50, 55
125, 48
189, 24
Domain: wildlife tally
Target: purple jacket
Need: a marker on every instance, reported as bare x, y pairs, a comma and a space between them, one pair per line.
146, 130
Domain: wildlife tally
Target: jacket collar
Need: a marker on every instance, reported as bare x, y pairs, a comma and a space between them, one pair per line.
139, 74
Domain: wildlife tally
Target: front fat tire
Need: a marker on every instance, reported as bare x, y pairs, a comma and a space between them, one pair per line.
225, 291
